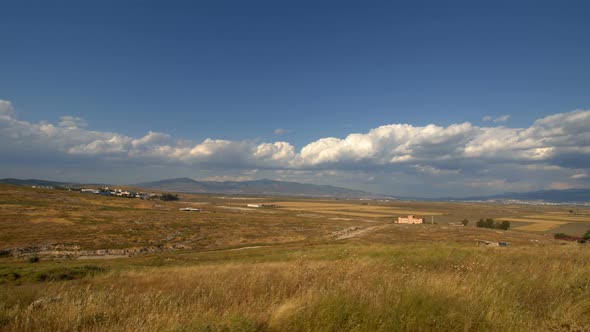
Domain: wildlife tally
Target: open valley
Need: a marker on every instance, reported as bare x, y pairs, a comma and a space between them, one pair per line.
83, 262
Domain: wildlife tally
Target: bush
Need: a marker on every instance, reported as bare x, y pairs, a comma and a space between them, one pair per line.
490, 223
465, 222
586, 235
504, 225
169, 197
567, 237
34, 259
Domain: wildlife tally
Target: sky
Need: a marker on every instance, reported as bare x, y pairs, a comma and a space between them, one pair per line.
409, 98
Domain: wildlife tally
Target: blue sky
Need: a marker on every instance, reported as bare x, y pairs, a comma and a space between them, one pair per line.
237, 71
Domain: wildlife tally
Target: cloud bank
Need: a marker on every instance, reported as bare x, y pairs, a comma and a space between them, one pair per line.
556, 143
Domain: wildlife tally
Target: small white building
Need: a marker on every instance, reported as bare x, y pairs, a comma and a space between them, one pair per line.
254, 205
409, 220
89, 191
190, 209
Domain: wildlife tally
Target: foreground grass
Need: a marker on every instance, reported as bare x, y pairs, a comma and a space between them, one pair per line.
322, 288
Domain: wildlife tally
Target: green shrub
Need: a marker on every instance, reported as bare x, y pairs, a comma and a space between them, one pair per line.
567, 237
169, 197
586, 235
34, 259
490, 223
504, 225
12, 276
4, 319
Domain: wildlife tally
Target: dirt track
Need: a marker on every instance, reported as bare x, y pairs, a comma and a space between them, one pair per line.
357, 232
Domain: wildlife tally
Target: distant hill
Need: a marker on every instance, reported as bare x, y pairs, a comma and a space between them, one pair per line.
47, 183
36, 182
552, 196
257, 187
282, 188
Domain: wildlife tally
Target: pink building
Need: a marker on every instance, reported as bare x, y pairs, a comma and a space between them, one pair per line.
409, 220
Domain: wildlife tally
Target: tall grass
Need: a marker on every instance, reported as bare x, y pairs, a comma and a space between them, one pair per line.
353, 288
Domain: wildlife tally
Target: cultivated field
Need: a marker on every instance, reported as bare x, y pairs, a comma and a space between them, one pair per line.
354, 210
88, 263
551, 220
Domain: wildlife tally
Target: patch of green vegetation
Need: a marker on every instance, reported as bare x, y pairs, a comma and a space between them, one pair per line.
9, 276
34, 259
490, 223
69, 273
169, 197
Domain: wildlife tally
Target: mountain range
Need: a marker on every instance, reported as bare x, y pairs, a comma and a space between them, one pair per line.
256, 187
37, 182
554, 196
282, 188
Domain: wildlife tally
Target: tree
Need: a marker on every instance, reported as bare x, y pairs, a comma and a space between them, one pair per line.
169, 197
490, 223
480, 223
465, 222
586, 236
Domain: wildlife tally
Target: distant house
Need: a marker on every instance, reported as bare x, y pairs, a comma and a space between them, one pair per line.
262, 206
269, 206
190, 209
89, 191
42, 187
409, 220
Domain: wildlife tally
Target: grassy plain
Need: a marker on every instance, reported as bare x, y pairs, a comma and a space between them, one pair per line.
295, 268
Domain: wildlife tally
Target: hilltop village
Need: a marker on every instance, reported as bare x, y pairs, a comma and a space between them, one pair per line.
107, 191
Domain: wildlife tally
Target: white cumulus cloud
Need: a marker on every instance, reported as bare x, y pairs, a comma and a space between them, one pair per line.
72, 122
6, 108
559, 143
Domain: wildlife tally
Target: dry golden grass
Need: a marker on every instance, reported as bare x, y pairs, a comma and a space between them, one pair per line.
37, 216
530, 220
560, 217
356, 210
349, 213
320, 288
290, 273
34, 217
536, 225
550, 220
55, 220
